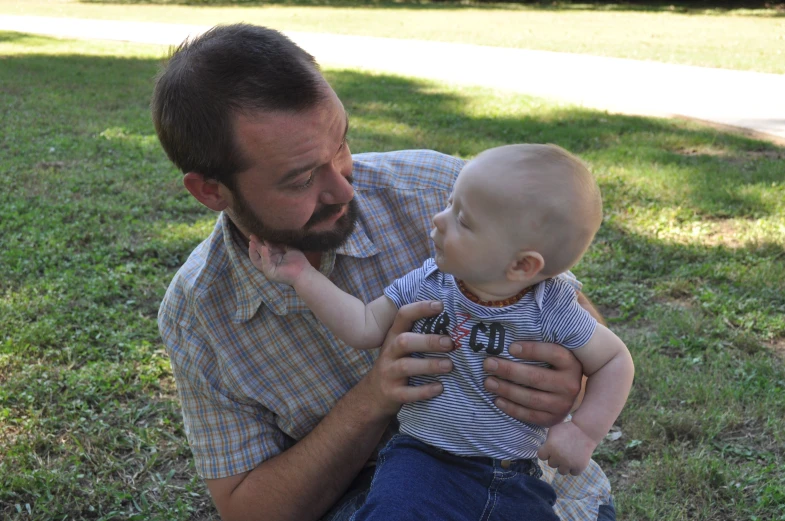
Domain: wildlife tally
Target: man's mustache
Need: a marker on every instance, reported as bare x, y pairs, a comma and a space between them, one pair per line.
323, 213
326, 211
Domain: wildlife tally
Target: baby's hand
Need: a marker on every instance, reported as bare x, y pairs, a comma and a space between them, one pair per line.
567, 448
279, 263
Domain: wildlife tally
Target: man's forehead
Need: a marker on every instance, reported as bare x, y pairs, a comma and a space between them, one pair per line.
272, 124
280, 142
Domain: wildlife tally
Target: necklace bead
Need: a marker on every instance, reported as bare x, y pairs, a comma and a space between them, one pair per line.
509, 301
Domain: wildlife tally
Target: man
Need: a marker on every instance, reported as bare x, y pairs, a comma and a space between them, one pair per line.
281, 417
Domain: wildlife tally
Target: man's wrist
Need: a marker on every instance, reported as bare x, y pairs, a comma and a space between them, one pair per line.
374, 407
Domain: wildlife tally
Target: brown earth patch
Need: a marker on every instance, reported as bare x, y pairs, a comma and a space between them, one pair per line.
623, 475
777, 346
753, 134
734, 157
50, 165
730, 233
749, 435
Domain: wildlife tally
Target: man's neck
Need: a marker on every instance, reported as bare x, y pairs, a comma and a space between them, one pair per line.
315, 258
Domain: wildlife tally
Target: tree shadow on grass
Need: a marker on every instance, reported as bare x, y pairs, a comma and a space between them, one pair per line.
13, 37
749, 8
96, 192
711, 168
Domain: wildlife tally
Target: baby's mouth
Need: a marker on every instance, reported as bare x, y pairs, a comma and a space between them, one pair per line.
433, 239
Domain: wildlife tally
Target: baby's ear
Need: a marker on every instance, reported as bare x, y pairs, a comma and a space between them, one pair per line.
525, 266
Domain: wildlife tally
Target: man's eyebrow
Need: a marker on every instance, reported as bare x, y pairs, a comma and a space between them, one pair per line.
293, 173
345, 130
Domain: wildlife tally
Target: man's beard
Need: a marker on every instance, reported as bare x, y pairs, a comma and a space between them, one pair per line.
301, 239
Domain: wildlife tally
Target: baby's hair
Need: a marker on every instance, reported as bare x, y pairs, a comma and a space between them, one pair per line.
559, 202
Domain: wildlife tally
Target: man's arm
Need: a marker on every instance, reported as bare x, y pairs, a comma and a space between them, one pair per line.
539, 395
303, 482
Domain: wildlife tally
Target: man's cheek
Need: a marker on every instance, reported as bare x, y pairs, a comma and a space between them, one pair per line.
289, 216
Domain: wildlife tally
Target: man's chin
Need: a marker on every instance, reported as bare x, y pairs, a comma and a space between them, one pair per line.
329, 239
332, 236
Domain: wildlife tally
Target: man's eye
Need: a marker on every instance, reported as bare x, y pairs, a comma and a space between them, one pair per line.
306, 184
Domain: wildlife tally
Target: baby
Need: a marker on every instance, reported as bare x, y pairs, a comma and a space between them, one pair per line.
519, 216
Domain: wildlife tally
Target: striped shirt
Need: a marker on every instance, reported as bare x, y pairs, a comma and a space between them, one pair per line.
463, 419
256, 371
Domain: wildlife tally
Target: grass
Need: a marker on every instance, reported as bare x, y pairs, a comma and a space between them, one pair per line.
94, 222
736, 39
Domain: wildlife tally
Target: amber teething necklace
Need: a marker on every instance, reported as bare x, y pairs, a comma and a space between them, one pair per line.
509, 301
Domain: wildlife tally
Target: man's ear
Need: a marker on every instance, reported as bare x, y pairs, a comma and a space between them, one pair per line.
209, 192
525, 266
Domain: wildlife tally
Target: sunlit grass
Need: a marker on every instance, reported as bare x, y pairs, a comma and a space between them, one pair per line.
737, 39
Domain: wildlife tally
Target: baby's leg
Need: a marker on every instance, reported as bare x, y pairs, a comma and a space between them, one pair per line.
517, 492
414, 482
417, 482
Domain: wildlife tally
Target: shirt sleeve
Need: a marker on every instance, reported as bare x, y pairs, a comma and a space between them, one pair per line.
404, 290
226, 436
564, 321
570, 278
578, 498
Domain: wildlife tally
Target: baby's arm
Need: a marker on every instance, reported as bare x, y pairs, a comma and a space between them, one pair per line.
359, 325
608, 365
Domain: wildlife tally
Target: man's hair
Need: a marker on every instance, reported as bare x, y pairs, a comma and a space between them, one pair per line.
210, 79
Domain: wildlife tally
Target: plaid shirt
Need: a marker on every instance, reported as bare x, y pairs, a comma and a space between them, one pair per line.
256, 371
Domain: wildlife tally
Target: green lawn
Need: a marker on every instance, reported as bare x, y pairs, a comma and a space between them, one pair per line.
740, 39
94, 222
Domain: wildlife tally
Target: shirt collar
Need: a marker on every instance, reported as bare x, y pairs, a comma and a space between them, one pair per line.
253, 289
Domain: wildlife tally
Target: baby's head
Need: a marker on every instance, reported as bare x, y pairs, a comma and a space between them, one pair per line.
521, 212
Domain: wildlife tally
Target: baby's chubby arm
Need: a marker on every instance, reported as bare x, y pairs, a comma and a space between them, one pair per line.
608, 365
359, 325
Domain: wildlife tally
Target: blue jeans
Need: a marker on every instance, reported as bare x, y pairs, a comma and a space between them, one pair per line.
414, 481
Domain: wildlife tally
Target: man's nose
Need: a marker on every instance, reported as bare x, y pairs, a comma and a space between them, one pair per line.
337, 189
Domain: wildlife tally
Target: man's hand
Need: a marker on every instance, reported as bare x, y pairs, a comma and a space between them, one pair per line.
279, 263
389, 377
539, 395
567, 448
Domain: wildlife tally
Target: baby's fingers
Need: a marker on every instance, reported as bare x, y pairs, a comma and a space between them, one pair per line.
275, 249
255, 249
545, 452
255, 245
